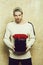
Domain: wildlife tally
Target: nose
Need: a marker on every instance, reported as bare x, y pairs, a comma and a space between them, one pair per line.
18, 16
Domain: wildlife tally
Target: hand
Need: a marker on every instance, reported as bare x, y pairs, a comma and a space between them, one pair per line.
20, 53
13, 48
27, 49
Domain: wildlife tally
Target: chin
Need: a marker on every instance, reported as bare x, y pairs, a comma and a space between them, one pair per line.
17, 21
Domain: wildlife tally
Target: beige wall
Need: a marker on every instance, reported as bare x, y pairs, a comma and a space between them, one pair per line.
33, 11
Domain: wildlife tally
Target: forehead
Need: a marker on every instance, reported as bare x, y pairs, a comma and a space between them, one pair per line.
17, 13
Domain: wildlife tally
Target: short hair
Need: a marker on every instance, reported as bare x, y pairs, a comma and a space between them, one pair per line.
17, 9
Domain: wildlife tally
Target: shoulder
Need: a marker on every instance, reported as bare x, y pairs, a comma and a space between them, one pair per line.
10, 24
31, 24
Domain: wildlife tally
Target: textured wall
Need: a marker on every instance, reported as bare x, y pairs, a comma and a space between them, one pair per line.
33, 11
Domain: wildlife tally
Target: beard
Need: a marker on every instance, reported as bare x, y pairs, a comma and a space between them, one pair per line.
18, 20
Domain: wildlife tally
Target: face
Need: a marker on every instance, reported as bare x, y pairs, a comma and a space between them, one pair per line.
18, 17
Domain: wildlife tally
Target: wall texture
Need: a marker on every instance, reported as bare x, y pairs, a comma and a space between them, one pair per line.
33, 11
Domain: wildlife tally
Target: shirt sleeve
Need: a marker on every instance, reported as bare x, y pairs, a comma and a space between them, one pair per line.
7, 38
30, 41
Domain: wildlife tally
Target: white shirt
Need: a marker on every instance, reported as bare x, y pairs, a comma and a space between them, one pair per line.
14, 28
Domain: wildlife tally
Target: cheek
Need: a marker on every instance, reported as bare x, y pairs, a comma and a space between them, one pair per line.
20, 17
15, 17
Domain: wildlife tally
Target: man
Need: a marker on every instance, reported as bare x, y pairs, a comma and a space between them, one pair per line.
19, 38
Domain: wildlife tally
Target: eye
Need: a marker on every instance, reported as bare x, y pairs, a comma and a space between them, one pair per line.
15, 15
19, 14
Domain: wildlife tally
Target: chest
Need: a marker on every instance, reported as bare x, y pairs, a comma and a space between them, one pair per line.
20, 29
